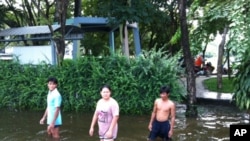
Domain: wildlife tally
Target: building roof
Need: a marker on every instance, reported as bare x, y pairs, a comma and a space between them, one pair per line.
40, 32
87, 24
27, 30
43, 29
84, 24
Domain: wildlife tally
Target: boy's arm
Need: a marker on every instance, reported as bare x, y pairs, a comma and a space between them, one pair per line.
55, 116
153, 115
58, 101
44, 116
172, 121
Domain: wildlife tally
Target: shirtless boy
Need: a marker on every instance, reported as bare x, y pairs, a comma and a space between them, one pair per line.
164, 109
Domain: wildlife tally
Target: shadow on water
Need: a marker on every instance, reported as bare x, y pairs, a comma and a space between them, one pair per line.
212, 124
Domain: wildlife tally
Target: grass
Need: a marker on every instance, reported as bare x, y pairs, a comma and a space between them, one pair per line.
227, 85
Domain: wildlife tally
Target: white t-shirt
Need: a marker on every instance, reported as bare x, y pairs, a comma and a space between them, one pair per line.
107, 110
54, 100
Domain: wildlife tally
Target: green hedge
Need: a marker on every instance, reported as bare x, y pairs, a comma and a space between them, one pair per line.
135, 82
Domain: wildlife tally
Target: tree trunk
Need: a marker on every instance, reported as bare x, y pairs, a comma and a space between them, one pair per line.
124, 39
125, 44
228, 64
189, 61
61, 7
61, 14
220, 59
28, 9
78, 8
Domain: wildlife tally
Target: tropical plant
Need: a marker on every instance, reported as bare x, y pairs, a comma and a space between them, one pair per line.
135, 83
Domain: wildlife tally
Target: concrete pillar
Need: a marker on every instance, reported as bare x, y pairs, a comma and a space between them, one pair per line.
112, 42
137, 41
53, 52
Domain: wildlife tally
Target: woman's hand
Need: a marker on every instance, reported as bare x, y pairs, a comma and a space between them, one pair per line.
109, 135
91, 131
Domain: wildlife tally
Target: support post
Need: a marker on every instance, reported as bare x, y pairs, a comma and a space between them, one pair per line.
137, 41
53, 52
76, 43
111, 42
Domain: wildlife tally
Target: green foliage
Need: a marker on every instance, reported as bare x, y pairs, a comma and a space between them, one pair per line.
227, 85
240, 29
207, 14
176, 37
158, 21
127, 10
19, 85
135, 83
3, 10
93, 43
216, 14
242, 83
239, 45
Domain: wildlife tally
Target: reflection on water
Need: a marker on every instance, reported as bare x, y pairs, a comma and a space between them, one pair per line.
212, 124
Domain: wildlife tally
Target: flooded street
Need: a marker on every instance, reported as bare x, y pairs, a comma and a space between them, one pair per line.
212, 124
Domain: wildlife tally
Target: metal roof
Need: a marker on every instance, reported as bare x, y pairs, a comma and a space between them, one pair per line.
41, 32
28, 30
86, 24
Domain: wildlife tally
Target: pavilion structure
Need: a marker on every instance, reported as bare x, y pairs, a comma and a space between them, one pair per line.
75, 29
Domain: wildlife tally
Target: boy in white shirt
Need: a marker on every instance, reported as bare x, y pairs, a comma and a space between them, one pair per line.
53, 112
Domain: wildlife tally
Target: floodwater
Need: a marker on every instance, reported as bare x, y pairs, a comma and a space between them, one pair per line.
212, 124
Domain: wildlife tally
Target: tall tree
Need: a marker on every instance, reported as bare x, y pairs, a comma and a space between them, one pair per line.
31, 13
61, 16
191, 88
78, 8
233, 14
157, 20
210, 13
14, 15
3, 16
220, 59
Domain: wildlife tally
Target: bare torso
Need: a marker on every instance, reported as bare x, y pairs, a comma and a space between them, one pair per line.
163, 109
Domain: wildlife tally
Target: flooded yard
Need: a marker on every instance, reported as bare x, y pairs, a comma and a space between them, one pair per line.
212, 124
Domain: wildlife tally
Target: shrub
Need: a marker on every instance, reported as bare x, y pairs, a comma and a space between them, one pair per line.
135, 82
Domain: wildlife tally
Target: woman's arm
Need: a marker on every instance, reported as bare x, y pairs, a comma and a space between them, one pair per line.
92, 126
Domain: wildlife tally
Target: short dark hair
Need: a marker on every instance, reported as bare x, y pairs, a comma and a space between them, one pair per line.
52, 79
106, 86
165, 89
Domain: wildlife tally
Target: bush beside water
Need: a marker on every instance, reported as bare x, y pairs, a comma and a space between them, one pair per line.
135, 82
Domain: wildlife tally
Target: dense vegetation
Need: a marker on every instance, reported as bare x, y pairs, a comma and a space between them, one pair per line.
135, 83
159, 24
242, 83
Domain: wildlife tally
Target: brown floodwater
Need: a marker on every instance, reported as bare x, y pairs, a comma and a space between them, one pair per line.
212, 124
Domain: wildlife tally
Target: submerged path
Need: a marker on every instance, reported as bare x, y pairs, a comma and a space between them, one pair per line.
204, 94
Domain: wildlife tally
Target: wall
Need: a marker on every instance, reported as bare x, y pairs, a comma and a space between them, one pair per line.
32, 54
